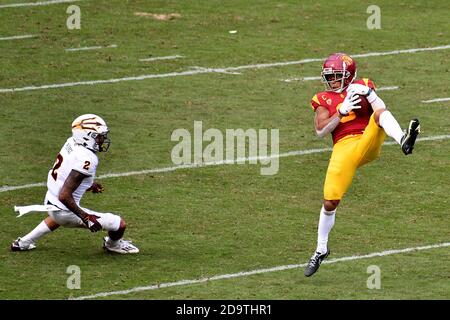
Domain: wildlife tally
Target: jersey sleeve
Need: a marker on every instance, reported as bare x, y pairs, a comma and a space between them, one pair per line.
315, 103
85, 163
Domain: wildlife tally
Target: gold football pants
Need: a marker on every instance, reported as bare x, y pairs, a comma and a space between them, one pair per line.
348, 154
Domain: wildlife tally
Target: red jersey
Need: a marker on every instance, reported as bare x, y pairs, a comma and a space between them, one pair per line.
349, 125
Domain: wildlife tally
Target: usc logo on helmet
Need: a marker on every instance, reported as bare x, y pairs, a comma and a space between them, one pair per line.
348, 61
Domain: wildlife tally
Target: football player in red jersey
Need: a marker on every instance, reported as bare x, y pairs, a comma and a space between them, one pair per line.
357, 133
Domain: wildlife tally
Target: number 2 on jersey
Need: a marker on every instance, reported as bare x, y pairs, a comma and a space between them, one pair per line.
351, 115
58, 163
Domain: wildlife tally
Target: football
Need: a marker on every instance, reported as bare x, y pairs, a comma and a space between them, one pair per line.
366, 108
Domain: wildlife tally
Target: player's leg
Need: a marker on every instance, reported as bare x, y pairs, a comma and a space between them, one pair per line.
118, 234
28, 241
326, 223
369, 146
115, 243
115, 226
407, 139
340, 173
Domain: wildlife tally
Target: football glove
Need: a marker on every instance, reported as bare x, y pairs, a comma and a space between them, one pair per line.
372, 97
96, 188
360, 89
92, 223
363, 90
350, 103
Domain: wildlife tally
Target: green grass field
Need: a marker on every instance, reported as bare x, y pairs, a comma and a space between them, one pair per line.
221, 220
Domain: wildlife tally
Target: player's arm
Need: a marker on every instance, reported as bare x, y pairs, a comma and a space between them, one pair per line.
72, 182
325, 124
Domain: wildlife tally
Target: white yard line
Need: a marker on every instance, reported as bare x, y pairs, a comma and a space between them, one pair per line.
319, 78
362, 55
387, 88
259, 271
162, 58
32, 4
207, 164
25, 36
211, 70
94, 82
302, 79
436, 100
91, 48
25, 186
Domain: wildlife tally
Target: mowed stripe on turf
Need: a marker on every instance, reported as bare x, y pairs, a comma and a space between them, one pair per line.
213, 70
258, 271
207, 164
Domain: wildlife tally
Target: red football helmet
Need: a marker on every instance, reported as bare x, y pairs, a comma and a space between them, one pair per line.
338, 71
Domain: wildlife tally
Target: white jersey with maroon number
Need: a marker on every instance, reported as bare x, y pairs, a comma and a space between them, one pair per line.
71, 157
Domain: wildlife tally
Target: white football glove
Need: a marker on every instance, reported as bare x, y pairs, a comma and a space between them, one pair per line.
350, 103
360, 89
372, 97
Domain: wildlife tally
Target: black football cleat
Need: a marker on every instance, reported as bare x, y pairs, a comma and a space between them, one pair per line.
409, 138
314, 263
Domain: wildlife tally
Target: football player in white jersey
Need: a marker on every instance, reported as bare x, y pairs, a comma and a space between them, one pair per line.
71, 176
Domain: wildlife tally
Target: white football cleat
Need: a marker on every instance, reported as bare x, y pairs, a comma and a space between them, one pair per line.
120, 246
19, 245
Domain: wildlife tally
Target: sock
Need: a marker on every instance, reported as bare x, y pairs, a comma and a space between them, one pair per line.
41, 230
326, 223
111, 242
391, 126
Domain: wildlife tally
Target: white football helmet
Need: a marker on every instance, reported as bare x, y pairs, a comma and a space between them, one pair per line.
91, 131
